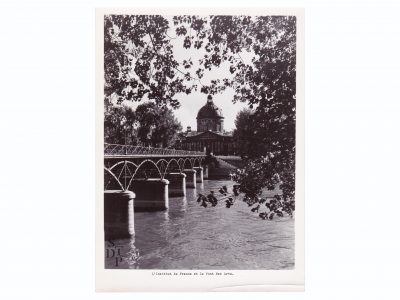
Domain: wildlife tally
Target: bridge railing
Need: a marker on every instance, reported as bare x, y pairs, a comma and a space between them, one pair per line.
116, 149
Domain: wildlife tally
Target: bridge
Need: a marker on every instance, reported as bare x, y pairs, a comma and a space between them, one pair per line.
123, 164
143, 178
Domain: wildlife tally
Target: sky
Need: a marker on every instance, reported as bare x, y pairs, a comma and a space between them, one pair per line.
190, 104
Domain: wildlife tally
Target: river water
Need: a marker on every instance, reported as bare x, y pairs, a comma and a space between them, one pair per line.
188, 236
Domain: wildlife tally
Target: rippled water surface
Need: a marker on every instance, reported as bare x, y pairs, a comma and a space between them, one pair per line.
188, 236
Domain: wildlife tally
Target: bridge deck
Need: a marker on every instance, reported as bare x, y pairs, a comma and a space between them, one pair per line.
125, 151
151, 155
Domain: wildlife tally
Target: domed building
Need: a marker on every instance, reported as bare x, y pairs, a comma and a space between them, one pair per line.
210, 135
210, 117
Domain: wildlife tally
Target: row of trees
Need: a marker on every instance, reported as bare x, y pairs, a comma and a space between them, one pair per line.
148, 125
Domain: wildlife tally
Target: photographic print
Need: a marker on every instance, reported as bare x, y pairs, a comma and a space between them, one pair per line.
199, 142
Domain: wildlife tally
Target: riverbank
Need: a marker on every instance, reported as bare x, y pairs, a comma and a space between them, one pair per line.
223, 166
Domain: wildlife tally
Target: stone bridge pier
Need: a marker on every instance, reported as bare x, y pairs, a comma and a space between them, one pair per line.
151, 194
199, 174
177, 184
190, 178
205, 172
119, 214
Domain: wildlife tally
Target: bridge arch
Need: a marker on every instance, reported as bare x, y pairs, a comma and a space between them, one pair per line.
162, 165
151, 163
140, 166
125, 164
114, 177
188, 163
172, 162
124, 171
181, 163
197, 162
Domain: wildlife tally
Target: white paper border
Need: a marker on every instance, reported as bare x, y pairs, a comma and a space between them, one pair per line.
111, 280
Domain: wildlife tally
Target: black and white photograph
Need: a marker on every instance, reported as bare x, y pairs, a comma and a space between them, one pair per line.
199, 141
173, 149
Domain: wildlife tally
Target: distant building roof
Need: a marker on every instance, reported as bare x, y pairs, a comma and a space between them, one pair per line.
191, 134
209, 110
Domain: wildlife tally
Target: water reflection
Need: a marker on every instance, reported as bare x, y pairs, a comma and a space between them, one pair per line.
177, 207
121, 254
188, 236
191, 192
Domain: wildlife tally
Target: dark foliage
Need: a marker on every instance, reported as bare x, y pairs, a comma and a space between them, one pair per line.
148, 125
139, 63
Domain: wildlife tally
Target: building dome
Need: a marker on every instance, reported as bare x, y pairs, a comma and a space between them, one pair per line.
210, 110
209, 117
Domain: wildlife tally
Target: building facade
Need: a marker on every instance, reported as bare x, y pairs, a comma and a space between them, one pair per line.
210, 135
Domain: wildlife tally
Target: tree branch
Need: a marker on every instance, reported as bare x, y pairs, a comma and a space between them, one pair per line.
152, 42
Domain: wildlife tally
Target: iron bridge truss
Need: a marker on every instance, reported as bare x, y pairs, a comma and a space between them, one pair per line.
123, 163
